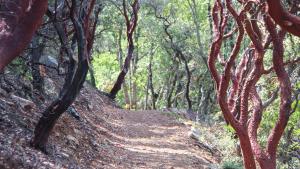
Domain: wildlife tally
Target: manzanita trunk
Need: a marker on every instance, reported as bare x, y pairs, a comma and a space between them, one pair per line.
19, 19
236, 85
284, 18
130, 28
78, 68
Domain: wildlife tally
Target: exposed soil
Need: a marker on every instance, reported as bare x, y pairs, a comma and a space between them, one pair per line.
104, 137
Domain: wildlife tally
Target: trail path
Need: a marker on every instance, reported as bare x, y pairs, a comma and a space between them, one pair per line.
105, 137
152, 139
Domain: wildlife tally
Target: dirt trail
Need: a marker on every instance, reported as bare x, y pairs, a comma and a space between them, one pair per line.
104, 137
152, 139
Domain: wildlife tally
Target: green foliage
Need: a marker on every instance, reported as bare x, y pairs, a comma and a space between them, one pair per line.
106, 70
19, 67
232, 164
229, 129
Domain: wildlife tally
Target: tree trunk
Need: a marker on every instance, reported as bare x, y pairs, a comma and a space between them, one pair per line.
75, 78
120, 59
92, 76
153, 94
284, 18
58, 107
187, 87
147, 93
248, 156
203, 103
121, 78
131, 26
36, 53
180, 56
194, 10
210, 20
134, 67
173, 81
16, 30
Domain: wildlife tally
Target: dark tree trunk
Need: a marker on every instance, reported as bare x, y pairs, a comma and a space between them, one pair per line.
203, 103
36, 53
121, 78
92, 76
179, 88
58, 107
130, 25
187, 86
147, 95
210, 21
179, 54
75, 78
150, 86
134, 67
153, 94
171, 89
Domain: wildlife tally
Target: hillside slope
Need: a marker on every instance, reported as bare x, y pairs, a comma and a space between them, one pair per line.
104, 136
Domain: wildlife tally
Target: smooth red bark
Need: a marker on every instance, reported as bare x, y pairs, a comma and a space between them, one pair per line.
238, 97
18, 23
282, 17
284, 85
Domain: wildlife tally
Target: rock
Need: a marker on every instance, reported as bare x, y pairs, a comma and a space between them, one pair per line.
50, 88
95, 144
57, 134
27, 105
3, 93
64, 155
48, 61
77, 132
72, 111
194, 133
48, 164
90, 106
72, 139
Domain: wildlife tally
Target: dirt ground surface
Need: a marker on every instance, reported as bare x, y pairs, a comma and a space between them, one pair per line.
104, 137
154, 140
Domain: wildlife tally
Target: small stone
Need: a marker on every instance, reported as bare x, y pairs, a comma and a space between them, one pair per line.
49, 61
3, 92
72, 111
57, 134
77, 132
90, 106
48, 163
73, 139
65, 155
194, 133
